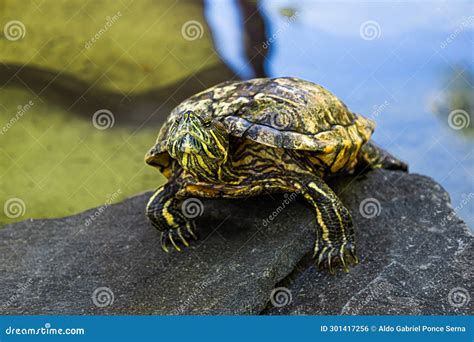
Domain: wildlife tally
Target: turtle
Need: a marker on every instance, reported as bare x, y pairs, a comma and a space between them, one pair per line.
261, 136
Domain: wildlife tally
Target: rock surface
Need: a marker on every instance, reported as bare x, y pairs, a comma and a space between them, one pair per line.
416, 258
416, 255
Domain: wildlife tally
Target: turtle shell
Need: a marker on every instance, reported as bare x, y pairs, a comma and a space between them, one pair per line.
283, 112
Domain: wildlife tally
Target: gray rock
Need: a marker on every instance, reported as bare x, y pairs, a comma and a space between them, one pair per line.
54, 266
416, 255
413, 254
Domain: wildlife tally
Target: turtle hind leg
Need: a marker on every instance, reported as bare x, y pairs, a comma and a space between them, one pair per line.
372, 156
335, 243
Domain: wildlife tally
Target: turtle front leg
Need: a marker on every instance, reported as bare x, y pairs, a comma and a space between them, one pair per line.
335, 231
165, 214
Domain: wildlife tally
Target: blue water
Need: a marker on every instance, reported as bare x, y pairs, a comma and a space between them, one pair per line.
398, 75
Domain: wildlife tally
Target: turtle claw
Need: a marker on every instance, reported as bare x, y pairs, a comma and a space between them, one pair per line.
349, 253
163, 242
343, 261
191, 228
165, 215
170, 236
177, 237
334, 256
182, 238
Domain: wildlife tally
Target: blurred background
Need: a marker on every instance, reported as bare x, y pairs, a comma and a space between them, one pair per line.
85, 85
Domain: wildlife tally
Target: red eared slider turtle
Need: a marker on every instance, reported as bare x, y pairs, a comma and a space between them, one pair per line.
247, 138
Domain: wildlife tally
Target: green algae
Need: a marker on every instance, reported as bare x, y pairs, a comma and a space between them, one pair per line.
72, 58
57, 164
122, 46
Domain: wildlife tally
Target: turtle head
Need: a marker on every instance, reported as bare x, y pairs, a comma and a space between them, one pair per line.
200, 145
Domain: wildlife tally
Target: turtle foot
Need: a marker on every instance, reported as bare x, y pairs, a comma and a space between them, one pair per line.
178, 237
333, 256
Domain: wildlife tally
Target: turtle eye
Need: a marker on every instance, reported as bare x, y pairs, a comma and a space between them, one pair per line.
207, 123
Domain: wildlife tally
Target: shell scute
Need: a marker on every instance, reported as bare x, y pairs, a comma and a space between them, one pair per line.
283, 112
